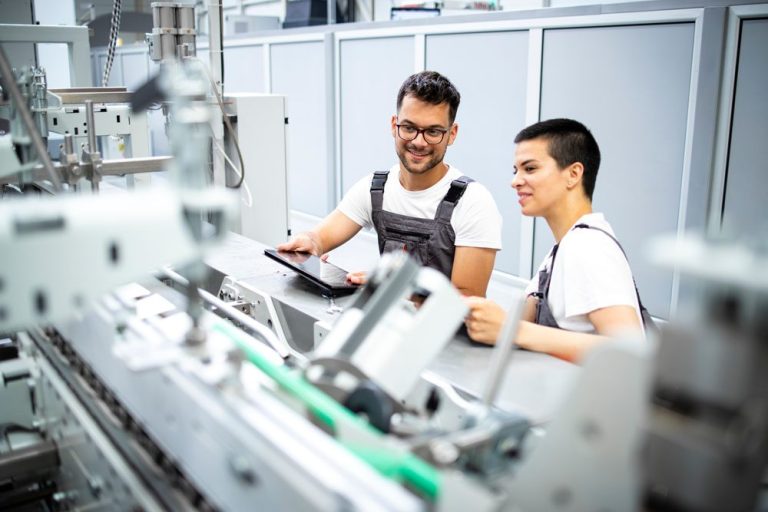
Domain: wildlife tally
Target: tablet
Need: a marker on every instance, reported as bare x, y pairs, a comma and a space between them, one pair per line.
329, 277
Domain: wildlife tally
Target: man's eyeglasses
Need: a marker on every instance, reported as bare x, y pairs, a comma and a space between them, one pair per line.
431, 135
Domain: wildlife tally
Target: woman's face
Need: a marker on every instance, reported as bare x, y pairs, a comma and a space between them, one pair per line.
540, 183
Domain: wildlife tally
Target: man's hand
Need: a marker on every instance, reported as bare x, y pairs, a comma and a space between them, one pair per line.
484, 319
353, 277
357, 277
303, 242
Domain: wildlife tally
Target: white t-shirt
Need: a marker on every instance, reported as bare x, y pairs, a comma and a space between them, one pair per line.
590, 273
476, 220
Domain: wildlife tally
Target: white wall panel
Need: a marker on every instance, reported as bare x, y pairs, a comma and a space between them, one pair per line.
298, 71
630, 86
243, 69
372, 71
745, 210
490, 72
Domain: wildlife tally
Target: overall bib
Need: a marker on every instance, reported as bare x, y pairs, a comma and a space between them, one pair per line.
544, 314
429, 241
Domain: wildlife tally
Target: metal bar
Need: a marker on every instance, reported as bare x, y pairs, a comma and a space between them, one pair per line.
90, 124
76, 39
36, 458
108, 168
262, 332
134, 165
98, 94
505, 344
118, 438
9, 85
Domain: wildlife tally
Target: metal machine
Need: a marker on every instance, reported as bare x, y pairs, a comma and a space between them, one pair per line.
142, 370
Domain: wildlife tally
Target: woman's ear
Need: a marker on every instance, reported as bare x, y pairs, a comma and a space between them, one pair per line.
575, 174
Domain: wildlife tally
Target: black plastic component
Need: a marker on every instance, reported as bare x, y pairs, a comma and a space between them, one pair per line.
329, 277
369, 399
149, 93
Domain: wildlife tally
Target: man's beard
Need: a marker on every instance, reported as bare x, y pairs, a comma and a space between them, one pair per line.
436, 158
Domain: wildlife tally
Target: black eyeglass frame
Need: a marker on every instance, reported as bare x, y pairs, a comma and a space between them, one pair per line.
421, 131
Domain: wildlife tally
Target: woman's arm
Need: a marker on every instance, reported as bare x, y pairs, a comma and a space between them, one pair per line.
572, 346
485, 319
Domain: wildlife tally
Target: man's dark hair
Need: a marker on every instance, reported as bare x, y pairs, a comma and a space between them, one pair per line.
430, 87
569, 142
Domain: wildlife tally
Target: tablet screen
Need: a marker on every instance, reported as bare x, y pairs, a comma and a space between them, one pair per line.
324, 274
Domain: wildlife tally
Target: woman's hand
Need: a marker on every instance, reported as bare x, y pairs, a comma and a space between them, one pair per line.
484, 319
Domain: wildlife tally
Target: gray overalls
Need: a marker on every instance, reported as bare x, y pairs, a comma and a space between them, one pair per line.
544, 314
430, 241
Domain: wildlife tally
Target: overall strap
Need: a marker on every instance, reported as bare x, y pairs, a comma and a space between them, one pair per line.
643, 311
545, 276
451, 199
587, 226
377, 189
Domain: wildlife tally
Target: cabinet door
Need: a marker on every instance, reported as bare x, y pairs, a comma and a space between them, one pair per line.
490, 72
298, 72
745, 214
630, 86
371, 72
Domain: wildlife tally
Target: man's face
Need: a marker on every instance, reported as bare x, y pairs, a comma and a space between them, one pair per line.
417, 156
540, 183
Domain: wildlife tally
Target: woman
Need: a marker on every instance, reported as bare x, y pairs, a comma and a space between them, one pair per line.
584, 290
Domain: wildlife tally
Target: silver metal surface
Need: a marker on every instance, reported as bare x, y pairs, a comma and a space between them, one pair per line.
599, 430
257, 328
135, 165
76, 39
501, 352
78, 95
10, 87
108, 168
92, 461
90, 125
235, 426
534, 384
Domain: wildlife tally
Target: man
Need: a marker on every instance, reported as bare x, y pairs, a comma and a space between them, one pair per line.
421, 205
584, 290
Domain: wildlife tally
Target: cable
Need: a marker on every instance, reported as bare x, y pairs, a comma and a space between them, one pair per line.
114, 29
249, 202
226, 122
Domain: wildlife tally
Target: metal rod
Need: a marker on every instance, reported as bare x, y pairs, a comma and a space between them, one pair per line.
262, 332
9, 85
69, 144
90, 124
39, 457
134, 165
505, 344
108, 167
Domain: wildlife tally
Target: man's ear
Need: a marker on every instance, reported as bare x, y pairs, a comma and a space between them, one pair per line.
394, 125
452, 133
575, 174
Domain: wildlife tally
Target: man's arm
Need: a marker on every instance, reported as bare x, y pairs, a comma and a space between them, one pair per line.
472, 267
335, 230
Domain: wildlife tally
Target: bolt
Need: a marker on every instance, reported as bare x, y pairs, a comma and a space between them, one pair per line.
195, 337
444, 453
243, 469
66, 498
95, 484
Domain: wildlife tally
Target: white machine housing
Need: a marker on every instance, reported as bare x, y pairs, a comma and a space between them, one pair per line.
259, 120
